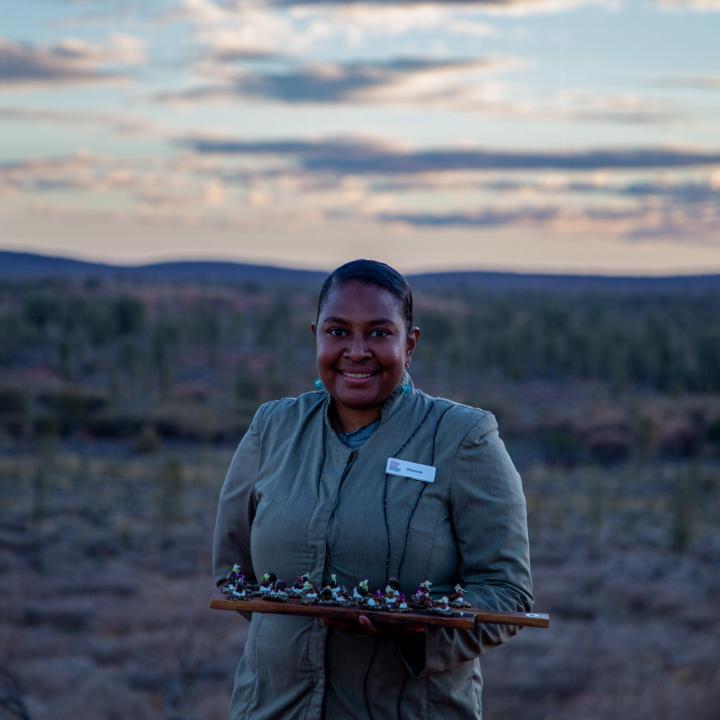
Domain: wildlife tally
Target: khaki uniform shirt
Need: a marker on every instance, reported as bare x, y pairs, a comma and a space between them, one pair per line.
297, 500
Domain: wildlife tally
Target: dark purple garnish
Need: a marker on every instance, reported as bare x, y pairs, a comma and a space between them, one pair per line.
457, 598
235, 587
360, 591
421, 598
442, 607
309, 594
277, 593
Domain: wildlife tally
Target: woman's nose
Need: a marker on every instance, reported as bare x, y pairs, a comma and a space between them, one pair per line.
357, 348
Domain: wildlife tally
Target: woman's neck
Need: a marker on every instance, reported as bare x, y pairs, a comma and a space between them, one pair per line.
349, 420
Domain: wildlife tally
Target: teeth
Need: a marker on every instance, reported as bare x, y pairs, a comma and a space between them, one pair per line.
357, 376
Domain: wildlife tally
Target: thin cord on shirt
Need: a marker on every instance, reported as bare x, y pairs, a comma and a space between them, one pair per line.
387, 558
385, 494
420, 494
407, 530
407, 533
366, 682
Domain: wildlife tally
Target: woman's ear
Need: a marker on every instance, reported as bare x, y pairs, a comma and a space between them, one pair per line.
413, 338
313, 329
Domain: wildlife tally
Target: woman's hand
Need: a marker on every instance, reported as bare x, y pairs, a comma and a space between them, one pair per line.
366, 626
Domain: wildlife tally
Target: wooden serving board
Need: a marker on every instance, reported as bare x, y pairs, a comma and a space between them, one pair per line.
462, 619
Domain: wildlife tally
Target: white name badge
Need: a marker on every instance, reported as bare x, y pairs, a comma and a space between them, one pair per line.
404, 468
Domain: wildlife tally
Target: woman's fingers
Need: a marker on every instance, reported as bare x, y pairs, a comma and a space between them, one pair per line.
367, 626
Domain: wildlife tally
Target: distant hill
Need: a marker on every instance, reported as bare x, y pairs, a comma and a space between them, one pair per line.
569, 283
31, 266
21, 266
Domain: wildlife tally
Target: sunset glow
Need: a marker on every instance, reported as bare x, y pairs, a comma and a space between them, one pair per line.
529, 135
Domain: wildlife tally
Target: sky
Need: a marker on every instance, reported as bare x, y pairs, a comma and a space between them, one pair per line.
578, 136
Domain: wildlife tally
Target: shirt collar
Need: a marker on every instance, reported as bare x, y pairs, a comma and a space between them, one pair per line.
397, 397
395, 400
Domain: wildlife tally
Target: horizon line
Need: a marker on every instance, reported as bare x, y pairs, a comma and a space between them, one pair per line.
162, 259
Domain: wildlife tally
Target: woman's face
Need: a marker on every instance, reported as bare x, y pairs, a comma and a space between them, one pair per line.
363, 346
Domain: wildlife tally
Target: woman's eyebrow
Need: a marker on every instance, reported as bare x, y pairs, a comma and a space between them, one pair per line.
343, 321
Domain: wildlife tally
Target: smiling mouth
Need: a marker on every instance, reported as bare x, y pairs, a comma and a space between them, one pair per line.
356, 375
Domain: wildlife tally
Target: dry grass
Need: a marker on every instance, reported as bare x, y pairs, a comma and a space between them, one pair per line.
104, 616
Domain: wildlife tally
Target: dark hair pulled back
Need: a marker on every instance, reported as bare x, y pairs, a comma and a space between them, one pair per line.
371, 272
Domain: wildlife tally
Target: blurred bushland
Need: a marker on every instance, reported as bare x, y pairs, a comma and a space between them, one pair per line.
588, 375
120, 406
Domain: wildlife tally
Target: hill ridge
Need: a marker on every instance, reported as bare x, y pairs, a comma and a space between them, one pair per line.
21, 266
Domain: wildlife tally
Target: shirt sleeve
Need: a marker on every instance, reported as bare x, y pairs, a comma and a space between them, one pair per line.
490, 522
236, 508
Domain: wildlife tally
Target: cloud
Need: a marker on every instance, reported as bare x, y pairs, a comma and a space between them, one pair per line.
211, 191
226, 31
91, 173
78, 171
114, 122
697, 82
504, 7
361, 157
357, 21
685, 5
586, 106
147, 187
685, 193
638, 223
553, 184
68, 61
237, 30
230, 53
394, 81
474, 219
202, 11
446, 84
672, 224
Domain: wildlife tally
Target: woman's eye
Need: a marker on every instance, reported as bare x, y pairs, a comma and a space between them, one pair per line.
379, 333
337, 332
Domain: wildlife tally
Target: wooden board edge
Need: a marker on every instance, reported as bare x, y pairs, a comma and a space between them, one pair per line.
473, 615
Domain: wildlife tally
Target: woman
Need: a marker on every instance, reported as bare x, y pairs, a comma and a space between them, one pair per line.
307, 490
